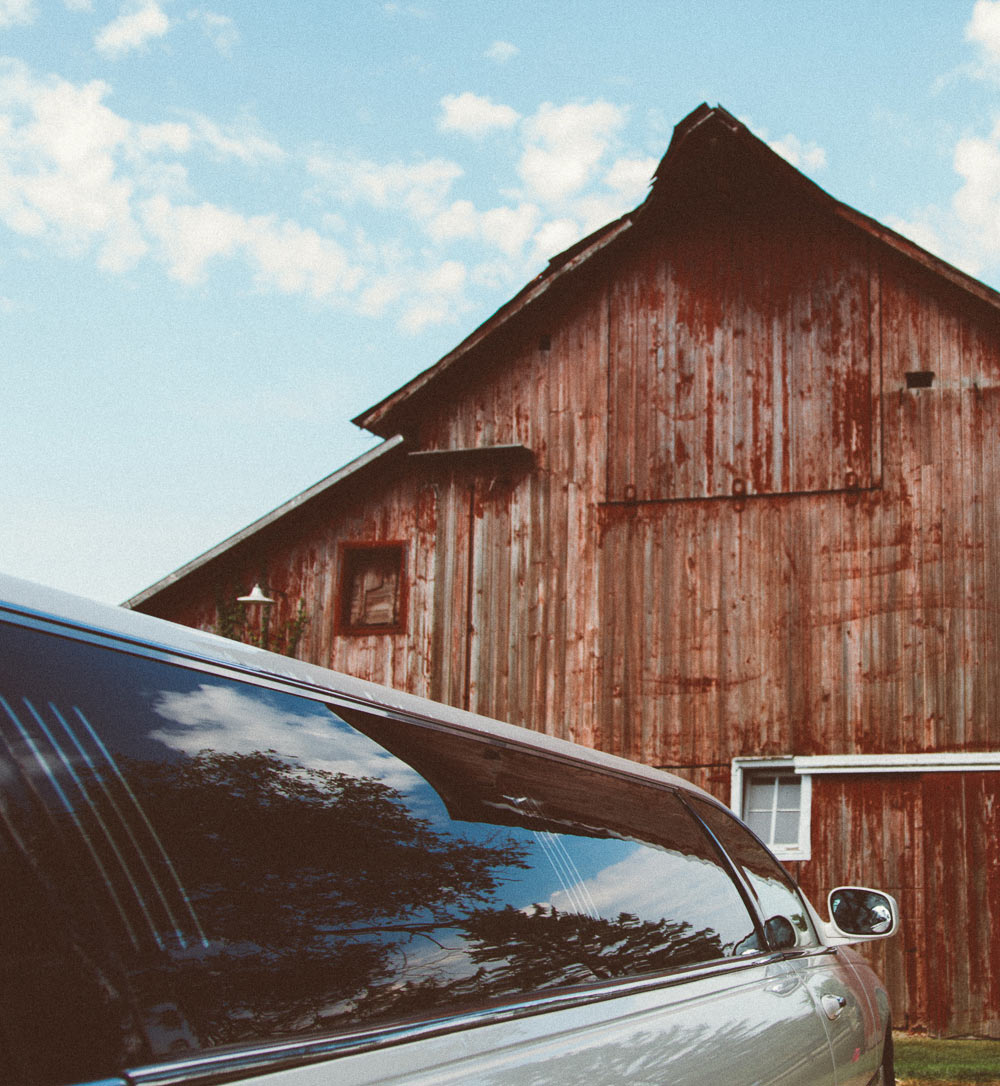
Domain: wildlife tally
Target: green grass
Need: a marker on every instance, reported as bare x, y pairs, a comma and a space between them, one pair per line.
928, 1060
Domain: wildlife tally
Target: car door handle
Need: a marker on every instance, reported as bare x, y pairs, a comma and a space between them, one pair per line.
833, 1006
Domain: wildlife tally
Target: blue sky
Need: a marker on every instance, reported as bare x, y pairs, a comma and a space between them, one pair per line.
227, 228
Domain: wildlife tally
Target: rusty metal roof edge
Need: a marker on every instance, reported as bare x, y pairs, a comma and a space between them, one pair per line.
903, 245
327, 483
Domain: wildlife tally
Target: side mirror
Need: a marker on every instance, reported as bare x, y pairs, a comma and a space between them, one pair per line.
780, 933
857, 913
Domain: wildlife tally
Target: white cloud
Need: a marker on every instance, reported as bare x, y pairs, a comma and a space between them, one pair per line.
510, 228
626, 184
234, 721
633, 882
169, 136
78, 5
422, 189
556, 235
967, 232
977, 162
58, 171
190, 236
424, 313
386, 290
630, 177
507, 228
474, 116
440, 296
299, 260
446, 279
71, 168
16, 12
247, 147
502, 52
571, 186
564, 147
803, 156
457, 222
984, 27
89, 182
132, 30
219, 29
282, 254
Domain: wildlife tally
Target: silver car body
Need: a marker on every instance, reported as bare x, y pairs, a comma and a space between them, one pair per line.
808, 1012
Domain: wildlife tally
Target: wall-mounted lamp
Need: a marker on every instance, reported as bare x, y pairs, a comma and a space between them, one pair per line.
256, 599
255, 596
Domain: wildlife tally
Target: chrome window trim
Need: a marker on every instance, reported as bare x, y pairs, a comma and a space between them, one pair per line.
732, 869
299, 687
217, 1067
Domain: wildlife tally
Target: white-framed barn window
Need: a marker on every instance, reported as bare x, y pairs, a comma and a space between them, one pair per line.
774, 798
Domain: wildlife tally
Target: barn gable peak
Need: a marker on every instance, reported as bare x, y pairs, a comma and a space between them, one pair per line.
712, 158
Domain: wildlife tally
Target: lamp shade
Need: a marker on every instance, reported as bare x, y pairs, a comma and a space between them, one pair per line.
256, 596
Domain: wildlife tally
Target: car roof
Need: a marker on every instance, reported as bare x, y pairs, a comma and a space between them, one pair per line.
58, 610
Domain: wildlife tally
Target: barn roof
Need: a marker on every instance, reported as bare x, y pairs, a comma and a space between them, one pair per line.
708, 138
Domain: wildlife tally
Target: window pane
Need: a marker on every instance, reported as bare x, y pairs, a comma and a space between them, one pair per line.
760, 823
372, 587
239, 865
774, 889
760, 793
786, 828
789, 790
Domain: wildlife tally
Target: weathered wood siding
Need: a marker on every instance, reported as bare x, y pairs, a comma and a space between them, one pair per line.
534, 615
853, 622
741, 359
931, 840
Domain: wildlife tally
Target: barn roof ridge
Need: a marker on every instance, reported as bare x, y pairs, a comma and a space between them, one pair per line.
382, 417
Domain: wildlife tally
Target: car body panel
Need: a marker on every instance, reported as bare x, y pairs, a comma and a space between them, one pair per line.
711, 1029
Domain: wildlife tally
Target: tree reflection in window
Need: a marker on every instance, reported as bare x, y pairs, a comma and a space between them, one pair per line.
310, 884
242, 864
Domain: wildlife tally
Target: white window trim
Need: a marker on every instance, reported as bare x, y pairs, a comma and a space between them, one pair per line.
809, 766
801, 850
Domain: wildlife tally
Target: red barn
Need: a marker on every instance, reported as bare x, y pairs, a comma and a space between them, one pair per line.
712, 492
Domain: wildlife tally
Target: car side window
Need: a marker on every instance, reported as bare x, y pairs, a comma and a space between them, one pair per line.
787, 920
190, 861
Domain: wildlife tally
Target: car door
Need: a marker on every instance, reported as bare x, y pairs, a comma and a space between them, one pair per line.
845, 1002
840, 996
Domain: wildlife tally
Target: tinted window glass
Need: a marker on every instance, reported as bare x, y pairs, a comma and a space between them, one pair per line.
190, 861
771, 885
